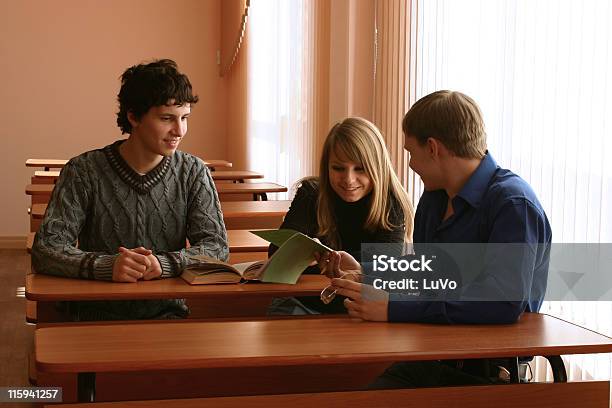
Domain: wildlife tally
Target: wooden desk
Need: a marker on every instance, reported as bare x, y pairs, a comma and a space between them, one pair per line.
236, 175
592, 394
46, 163
41, 193
238, 241
253, 209
213, 164
259, 190
231, 209
47, 288
37, 211
92, 349
47, 174
30, 241
205, 301
51, 176
245, 241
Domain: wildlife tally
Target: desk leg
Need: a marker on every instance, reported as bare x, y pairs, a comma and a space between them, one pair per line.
86, 387
558, 368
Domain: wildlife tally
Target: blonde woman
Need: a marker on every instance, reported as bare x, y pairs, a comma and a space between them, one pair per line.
356, 199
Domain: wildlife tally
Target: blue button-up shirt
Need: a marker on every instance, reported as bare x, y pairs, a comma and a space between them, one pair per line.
494, 206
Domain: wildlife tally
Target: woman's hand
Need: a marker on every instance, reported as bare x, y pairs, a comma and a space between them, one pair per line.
339, 264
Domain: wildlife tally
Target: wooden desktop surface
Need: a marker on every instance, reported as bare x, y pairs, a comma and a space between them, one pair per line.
48, 288
60, 163
47, 174
242, 209
238, 241
217, 163
249, 188
237, 175
300, 342
231, 209
222, 188
46, 163
245, 241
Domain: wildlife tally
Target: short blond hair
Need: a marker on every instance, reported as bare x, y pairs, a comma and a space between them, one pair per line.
360, 141
451, 117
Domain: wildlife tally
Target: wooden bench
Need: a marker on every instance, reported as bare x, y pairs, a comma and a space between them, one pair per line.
592, 394
244, 349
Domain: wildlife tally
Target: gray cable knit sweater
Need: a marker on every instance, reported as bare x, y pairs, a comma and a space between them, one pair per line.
101, 202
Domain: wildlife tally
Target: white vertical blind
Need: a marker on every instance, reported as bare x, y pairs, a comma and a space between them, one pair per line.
281, 140
540, 71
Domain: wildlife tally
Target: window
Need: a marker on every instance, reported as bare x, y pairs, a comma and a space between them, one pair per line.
540, 72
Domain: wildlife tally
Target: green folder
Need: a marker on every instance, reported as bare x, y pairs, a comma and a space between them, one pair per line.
276, 237
295, 252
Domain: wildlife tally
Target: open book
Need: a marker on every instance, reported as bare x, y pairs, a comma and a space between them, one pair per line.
295, 252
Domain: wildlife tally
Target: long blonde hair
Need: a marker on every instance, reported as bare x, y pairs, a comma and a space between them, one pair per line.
360, 141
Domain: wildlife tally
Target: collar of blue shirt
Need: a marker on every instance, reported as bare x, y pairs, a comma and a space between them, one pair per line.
478, 184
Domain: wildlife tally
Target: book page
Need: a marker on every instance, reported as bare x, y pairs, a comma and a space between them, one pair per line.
244, 267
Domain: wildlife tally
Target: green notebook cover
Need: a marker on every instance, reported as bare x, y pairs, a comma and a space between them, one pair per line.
295, 252
276, 237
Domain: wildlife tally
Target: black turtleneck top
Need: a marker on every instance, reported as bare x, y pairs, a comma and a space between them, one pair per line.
350, 218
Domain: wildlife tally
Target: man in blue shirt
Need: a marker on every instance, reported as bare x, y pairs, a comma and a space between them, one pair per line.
468, 198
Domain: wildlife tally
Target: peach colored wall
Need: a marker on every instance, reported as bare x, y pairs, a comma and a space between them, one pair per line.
60, 61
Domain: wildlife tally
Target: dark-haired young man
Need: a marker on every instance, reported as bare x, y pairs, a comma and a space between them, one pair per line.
133, 204
468, 199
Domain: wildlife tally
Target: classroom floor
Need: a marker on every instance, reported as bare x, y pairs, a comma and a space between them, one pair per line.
16, 336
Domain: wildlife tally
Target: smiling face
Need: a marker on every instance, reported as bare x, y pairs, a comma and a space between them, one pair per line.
348, 179
161, 129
